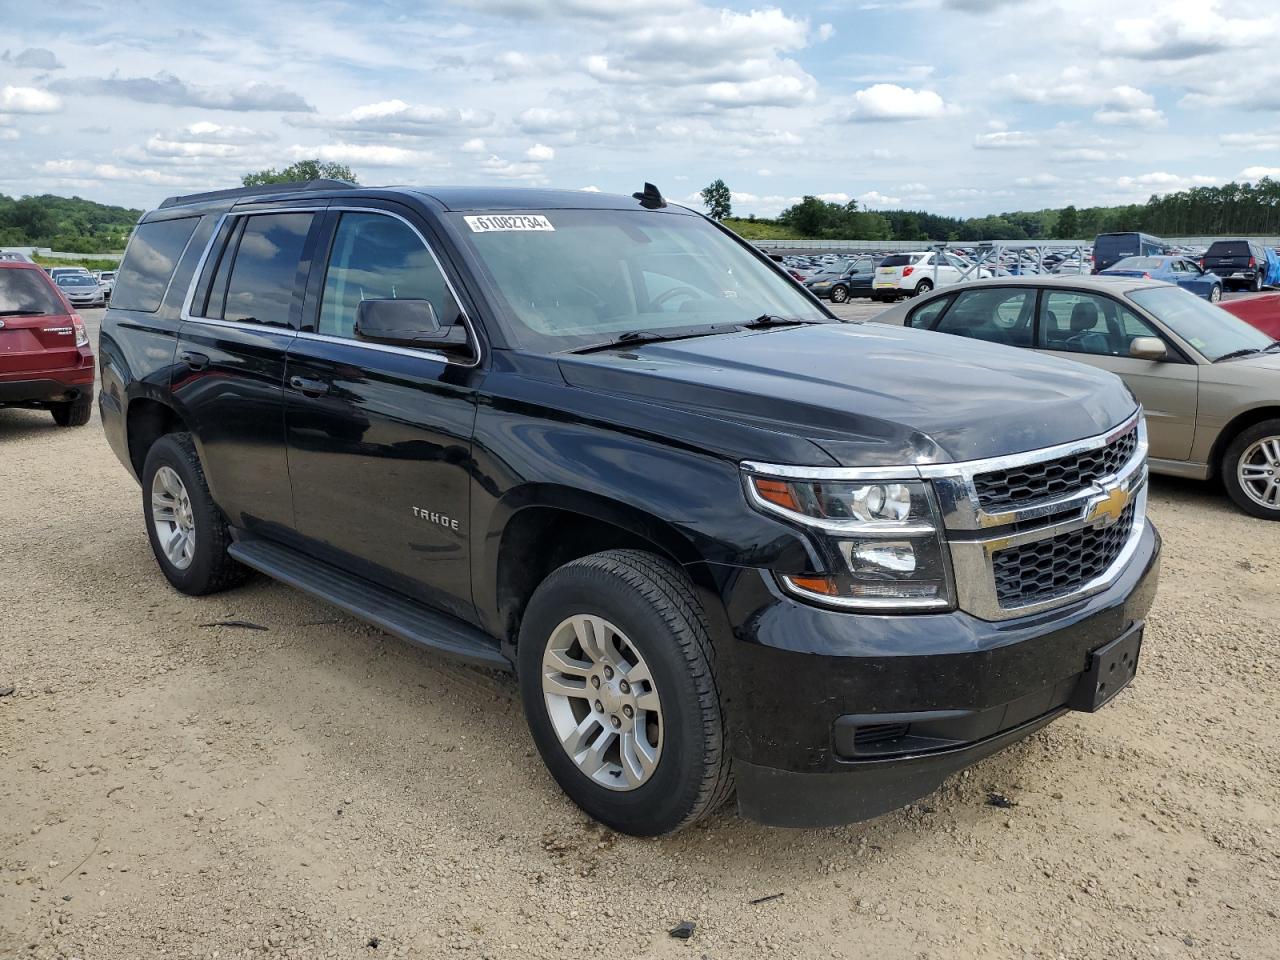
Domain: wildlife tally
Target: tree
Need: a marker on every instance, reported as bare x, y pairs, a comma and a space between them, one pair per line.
302, 170
718, 199
1068, 225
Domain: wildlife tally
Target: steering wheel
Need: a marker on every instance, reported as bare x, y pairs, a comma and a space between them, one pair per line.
690, 292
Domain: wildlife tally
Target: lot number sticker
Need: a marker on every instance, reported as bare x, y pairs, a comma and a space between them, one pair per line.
508, 221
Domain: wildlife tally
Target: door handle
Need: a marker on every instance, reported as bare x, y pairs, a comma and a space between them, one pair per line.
196, 361
311, 388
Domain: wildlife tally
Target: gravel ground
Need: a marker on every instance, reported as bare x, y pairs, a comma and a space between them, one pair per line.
318, 789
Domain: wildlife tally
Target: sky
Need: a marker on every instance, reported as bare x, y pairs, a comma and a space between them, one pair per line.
963, 107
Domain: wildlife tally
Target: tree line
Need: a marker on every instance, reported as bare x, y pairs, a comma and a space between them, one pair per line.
1245, 209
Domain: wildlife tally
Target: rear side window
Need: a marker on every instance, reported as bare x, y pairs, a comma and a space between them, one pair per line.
923, 318
148, 267
993, 314
897, 260
264, 274
27, 293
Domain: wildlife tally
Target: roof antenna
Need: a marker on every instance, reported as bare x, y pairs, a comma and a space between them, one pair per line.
651, 198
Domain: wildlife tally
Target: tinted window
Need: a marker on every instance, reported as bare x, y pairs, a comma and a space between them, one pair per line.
265, 271
897, 260
378, 258
27, 292
149, 263
1229, 248
994, 314
1076, 322
922, 318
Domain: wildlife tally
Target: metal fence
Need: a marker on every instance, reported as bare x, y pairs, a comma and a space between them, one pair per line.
874, 246
33, 252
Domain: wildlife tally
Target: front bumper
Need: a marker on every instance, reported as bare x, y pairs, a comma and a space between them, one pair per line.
941, 690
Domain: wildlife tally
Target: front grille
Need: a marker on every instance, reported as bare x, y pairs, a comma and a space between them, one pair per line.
1050, 568
1002, 490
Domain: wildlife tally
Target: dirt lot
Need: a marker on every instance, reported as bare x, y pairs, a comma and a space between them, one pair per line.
319, 789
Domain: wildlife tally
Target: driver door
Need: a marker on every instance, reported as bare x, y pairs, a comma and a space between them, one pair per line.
1167, 389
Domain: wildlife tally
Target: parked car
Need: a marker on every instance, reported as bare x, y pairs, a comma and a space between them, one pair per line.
1241, 263
728, 543
107, 280
1209, 383
851, 279
911, 274
56, 272
46, 362
1262, 312
81, 289
1110, 248
1182, 271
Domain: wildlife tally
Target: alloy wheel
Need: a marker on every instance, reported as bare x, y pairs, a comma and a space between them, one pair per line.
172, 517
1258, 471
602, 702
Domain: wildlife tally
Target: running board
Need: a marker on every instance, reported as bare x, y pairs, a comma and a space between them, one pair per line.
385, 609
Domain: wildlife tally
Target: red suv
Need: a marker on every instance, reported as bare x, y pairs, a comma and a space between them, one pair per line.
45, 359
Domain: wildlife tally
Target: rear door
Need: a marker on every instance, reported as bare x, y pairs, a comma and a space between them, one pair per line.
380, 436
36, 335
1229, 259
1097, 330
229, 376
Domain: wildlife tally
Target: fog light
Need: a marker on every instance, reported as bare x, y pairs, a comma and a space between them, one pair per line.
893, 556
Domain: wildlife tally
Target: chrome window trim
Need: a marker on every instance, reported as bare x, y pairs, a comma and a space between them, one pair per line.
472, 335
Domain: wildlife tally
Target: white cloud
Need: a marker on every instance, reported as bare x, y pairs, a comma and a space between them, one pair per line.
398, 117
1257, 173
888, 101
1039, 181
474, 145
874, 198
33, 58
540, 153
1185, 29
165, 88
590, 189
1005, 140
84, 170
367, 154
28, 100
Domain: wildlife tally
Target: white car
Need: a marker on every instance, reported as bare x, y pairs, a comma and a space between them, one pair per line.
107, 281
909, 274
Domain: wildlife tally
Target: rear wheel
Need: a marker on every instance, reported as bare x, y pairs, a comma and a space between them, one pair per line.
1251, 470
1215, 295
618, 682
923, 287
839, 294
188, 533
74, 413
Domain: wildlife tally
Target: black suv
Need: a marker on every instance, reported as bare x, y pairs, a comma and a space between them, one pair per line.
1240, 263
726, 541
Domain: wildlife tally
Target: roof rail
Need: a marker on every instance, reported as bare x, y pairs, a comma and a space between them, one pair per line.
295, 186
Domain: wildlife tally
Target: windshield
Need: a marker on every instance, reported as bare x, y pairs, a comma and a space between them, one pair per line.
1139, 263
574, 278
75, 280
1210, 329
23, 292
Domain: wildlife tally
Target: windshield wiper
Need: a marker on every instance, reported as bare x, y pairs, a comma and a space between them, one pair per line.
1246, 352
772, 320
640, 337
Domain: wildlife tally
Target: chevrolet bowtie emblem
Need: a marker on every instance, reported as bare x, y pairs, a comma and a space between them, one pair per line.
1109, 507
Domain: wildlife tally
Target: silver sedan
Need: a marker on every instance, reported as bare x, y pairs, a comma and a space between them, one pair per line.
1209, 382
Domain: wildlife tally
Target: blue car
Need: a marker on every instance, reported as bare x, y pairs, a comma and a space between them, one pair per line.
1183, 271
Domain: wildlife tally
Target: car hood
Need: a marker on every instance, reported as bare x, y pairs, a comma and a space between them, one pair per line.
869, 394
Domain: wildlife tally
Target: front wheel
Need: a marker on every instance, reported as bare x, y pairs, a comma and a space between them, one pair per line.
1215, 295
617, 676
839, 294
1251, 470
923, 287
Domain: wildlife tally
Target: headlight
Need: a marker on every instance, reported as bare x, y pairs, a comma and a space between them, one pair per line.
881, 540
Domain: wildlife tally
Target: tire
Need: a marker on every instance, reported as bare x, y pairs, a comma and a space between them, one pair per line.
1256, 283
1255, 450
208, 568
646, 605
923, 287
839, 294
75, 413
1215, 295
